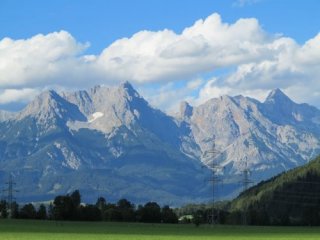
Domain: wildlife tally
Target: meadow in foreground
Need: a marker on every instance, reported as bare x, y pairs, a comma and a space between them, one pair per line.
27, 229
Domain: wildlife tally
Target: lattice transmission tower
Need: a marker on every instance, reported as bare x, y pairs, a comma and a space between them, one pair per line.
215, 179
10, 190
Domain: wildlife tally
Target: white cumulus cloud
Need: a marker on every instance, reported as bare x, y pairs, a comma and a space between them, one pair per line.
165, 56
236, 58
40, 60
17, 95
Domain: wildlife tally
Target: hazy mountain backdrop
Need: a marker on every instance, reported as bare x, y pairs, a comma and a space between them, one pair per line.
108, 141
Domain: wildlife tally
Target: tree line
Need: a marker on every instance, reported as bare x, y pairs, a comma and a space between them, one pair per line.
69, 207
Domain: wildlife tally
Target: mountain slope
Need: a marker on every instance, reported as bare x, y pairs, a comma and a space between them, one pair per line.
280, 109
261, 135
5, 115
109, 141
292, 197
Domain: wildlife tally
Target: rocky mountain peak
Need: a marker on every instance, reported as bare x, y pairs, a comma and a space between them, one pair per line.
42, 102
47, 96
128, 90
185, 110
282, 110
277, 96
224, 101
124, 90
50, 104
127, 85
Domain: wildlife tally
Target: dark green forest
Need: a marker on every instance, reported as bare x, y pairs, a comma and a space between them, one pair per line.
291, 198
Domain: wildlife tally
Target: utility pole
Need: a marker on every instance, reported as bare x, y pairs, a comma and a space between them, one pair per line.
246, 181
214, 168
10, 190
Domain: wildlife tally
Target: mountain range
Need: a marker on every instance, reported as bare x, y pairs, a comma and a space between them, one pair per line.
109, 141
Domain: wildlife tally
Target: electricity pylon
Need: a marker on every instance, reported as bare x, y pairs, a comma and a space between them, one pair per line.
214, 168
10, 198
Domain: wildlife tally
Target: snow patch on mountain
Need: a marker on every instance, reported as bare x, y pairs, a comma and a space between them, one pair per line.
95, 116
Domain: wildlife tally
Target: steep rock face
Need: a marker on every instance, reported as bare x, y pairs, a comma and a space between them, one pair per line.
50, 105
281, 110
185, 111
105, 141
126, 120
109, 141
38, 138
267, 137
81, 99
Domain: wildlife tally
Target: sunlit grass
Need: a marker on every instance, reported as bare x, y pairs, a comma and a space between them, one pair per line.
23, 229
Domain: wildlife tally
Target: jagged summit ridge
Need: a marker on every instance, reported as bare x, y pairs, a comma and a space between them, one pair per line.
280, 109
129, 89
276, 96
50, 105
114, 139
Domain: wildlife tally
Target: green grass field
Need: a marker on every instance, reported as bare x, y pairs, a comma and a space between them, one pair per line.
42, 230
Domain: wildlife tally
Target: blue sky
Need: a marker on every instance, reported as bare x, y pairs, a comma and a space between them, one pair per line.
103, 21
90, 27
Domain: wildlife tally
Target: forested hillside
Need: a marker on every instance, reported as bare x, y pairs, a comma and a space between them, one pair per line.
290, 198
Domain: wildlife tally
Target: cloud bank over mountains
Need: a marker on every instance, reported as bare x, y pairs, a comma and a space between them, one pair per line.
208, 59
